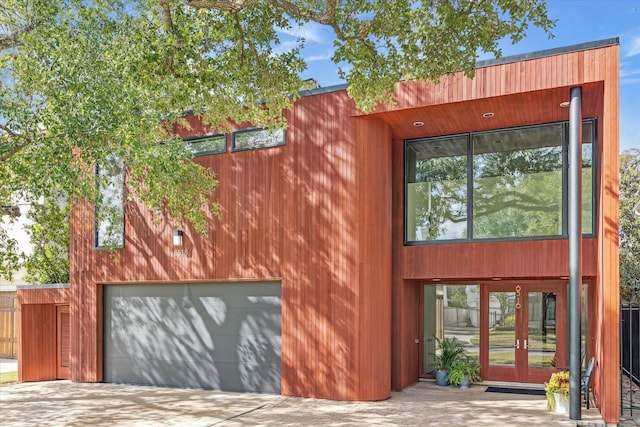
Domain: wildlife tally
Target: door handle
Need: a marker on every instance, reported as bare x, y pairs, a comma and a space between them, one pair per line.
517, 344
526, 345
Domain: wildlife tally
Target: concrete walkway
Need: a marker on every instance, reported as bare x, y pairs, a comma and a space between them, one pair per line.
60, 403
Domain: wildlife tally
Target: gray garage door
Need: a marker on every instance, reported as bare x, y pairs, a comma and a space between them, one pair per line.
214, 336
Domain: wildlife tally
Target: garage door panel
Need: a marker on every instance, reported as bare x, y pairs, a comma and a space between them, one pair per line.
221, 336
166, 373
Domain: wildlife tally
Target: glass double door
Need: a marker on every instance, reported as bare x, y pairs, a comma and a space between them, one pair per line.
523, 331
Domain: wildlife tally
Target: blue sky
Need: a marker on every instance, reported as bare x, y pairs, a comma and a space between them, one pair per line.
579, 21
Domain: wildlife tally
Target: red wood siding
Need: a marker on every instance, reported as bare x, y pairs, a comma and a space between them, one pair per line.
520, 93
37, 355
606, 377
314, 214
324, 215
37, 332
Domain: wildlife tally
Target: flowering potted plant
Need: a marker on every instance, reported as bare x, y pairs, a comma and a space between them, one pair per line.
557, 390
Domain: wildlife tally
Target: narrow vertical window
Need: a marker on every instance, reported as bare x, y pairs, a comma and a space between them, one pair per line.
588, 190
109, 206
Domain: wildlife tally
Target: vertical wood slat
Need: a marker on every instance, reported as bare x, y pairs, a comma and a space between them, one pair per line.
8, 325
607, 375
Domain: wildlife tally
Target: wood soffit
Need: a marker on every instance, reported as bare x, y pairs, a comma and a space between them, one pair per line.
541, 106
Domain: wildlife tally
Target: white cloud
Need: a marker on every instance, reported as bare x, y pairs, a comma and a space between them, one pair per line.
310, 31
629, 81
633, 46
321, 57
626, 72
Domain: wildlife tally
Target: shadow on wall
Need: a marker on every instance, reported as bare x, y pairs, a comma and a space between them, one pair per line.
219, 336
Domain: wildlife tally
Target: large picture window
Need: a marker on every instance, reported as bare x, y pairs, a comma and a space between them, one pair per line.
109, 207
500, 184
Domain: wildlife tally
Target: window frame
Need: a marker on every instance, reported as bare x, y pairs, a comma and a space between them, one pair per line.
256, 129
470, 183
194, 140
97, 241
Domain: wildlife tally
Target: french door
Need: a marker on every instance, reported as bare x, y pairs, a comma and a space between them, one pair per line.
523, 331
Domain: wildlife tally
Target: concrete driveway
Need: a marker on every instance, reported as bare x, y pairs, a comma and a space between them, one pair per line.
62, 403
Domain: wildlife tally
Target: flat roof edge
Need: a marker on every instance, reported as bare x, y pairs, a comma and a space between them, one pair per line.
45, 286
504, 60
549, 52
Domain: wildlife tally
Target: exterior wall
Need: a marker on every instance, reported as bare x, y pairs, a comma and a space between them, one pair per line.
607, 302
519, 93
314, 213
324, 215
37, 332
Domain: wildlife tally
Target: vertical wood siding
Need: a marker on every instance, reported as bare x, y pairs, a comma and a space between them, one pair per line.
520, 93
314, 214
37, 358
37, 352
324, 214
607, 304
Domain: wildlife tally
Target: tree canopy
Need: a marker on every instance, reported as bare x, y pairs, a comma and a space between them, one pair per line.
84, 80
630, 226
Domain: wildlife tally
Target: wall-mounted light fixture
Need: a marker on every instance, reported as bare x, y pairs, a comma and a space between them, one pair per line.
488, 115
418, 124
178, 238
565, 104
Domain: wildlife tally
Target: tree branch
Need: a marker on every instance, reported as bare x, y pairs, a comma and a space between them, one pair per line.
225, 5
10, 40
177, 41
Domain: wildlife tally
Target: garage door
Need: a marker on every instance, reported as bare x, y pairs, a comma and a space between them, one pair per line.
212, 336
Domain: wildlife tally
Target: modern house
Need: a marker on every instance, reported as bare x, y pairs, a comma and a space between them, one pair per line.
350, 241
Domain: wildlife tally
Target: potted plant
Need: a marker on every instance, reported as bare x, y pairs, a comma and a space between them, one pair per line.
463, 372
450, 351
557, 391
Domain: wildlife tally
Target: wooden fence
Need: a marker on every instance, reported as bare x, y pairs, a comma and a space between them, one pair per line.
8, 325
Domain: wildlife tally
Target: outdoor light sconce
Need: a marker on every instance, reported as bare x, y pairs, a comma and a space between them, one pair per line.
178, 237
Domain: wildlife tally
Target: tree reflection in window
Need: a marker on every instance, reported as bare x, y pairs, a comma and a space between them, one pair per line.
506, 183
517, 182
109, 207
437, 189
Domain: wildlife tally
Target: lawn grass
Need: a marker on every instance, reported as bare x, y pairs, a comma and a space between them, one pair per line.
8, 377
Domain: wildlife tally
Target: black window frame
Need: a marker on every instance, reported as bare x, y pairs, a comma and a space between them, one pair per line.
192, 141
565, 180
96, 207
255, 129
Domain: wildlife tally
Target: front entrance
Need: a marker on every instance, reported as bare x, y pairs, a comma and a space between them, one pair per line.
522, 333
516, 331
